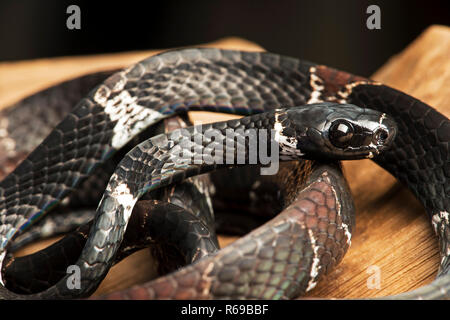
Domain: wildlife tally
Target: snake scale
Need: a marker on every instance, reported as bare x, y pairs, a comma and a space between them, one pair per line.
233, 82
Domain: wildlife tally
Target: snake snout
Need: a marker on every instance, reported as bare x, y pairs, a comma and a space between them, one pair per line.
380, 136
384, 135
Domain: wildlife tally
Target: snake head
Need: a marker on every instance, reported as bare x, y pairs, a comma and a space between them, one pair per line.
340, 131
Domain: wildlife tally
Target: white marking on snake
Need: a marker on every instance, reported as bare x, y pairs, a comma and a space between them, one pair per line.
315, 265
338, 209
130, 117
2, 257
207, 278
347, 233
287, 144
316, 84
437, 220
120, 84
443, 219
347, 90
124, 197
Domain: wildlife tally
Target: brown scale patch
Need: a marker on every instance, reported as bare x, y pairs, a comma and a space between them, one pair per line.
139, 293
185, 294
316, 210
335, 81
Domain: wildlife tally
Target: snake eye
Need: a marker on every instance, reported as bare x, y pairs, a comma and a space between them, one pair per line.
341, 133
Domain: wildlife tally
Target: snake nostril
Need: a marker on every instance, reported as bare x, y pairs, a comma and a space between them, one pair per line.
381, 135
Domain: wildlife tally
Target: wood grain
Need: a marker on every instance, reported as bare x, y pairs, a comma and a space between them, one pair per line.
392, 231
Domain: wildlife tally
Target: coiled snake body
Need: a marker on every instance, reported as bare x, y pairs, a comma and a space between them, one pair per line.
234, 82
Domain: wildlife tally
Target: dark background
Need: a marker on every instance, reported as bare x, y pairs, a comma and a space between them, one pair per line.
328, 32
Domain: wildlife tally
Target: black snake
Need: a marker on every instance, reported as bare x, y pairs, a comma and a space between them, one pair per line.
234, 82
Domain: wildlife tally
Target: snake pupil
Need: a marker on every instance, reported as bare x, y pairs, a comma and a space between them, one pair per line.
341, 133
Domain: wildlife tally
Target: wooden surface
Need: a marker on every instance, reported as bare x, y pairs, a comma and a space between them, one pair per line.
392, 231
